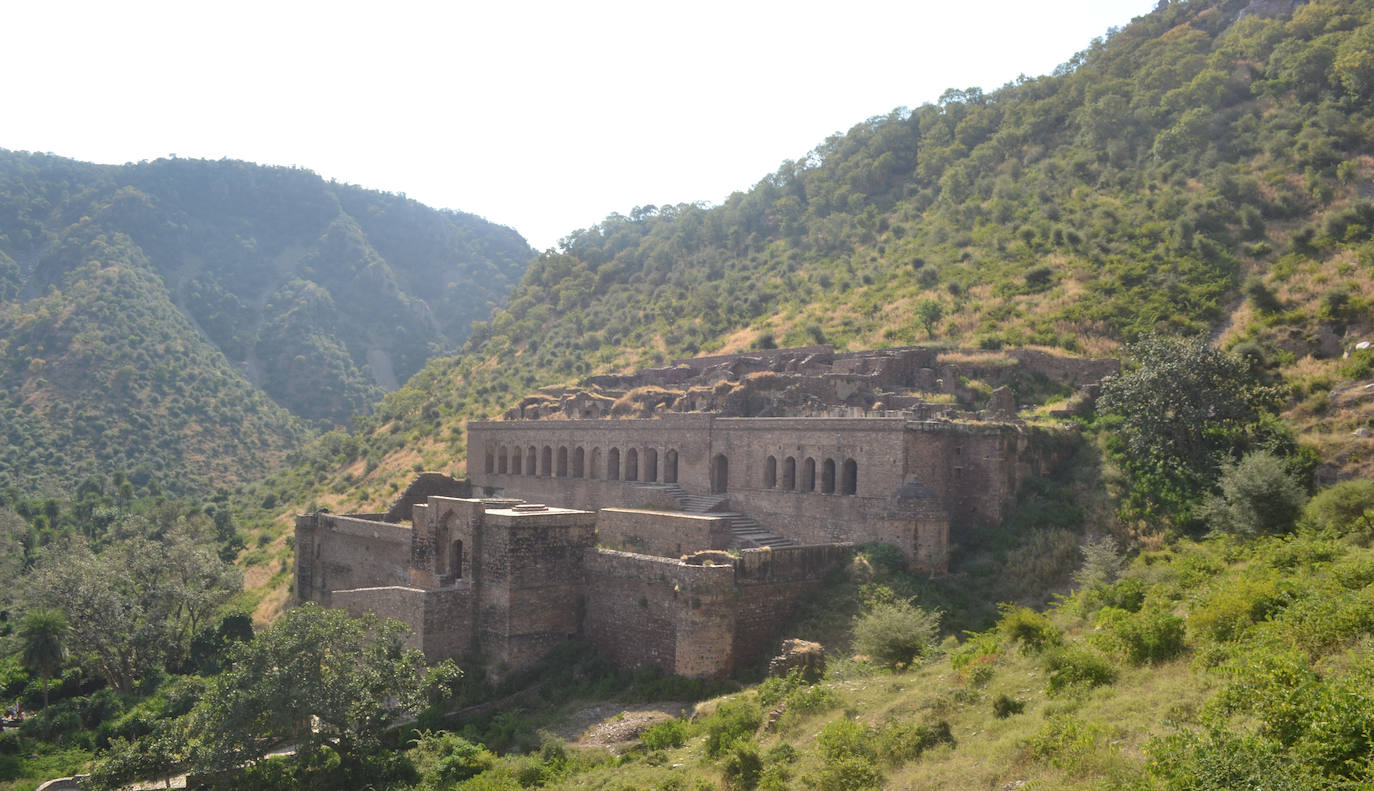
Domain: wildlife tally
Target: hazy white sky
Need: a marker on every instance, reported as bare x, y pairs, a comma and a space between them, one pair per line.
544, 116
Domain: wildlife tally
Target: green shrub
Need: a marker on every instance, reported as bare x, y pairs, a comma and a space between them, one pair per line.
1032, 630
1004, 706
1068, 743
848, 753
742, 767
900, 742
895, 634
1345, 507
1237, 604
1258, 495
1151, 635
664, 735
732, 721
1076, 667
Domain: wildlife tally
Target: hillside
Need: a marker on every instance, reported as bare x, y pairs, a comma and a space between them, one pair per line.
147, 309
1207, 168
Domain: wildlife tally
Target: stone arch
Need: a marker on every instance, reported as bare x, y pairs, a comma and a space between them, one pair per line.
455, 561
770, 473
808, 481
720, 474
789, 474
502, 460
595, 471
515, 458
490, 466
632, 464
849, 477
828, 476
562, 469
579, 463
532, 461
651, 464
613, 464
670, 466
546, 462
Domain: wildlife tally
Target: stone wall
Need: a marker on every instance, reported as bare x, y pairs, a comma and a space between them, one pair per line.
645, 611
340, 552
769, 583
402, 603
661, 533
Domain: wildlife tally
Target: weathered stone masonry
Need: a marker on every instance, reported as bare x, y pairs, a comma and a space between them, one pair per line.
506, 582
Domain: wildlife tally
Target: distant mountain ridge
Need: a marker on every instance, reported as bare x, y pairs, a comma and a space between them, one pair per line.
324, 296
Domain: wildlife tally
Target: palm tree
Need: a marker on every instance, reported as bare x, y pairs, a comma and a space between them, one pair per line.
43, 633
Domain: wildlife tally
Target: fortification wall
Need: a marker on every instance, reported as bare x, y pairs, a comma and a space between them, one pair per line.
769, 583
660, 533
645, 611
342, 552
402, 603
531, 580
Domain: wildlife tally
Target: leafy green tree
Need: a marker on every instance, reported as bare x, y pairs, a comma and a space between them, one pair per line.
1181, 411
317, 680
1343, 507
895, 633
1258, 495
929, 312
43, 634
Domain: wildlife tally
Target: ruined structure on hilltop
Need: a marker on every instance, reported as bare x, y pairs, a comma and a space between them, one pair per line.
753, 474
796, 445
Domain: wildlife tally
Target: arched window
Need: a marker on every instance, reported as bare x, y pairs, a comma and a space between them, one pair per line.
532, 461
613, 464
828, 476
631, 465
670, 467
562, 461
770, 473
650, 465
789, 474
491, 462
502, 460
808, 481
515, 458
455, 561
546, 462
849, 479
596, 463
579, 468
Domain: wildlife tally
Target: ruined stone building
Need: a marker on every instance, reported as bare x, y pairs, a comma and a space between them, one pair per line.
747, 478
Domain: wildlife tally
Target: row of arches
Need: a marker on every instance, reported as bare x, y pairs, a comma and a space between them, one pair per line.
805, 479
577, 462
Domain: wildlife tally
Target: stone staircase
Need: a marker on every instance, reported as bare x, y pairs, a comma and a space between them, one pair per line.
747, 531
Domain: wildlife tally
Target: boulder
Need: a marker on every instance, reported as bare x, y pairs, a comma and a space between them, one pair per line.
799, 655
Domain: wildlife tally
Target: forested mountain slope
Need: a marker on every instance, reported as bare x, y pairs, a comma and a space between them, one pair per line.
1205, 169
139, 306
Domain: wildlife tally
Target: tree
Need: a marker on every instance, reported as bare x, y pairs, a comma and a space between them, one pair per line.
1258, 495
895, 633
136, 605
43, 634
317, 680
928, 312
1181, 412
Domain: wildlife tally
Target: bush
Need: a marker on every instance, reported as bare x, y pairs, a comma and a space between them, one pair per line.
742, 767
895, 634
1076, 667
664, 735
1068, 743
900, 742
1031, 629
1236, 605
732, 721
1258, 495
1004, 706
848, 753
1148, 636
1345, 507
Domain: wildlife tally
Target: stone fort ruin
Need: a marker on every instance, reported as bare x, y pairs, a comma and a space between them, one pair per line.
695, 502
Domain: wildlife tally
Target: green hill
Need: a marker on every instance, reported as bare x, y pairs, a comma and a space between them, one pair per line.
1207, 168
141, 304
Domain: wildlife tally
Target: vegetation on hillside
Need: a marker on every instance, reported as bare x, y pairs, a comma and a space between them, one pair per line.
139, 306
